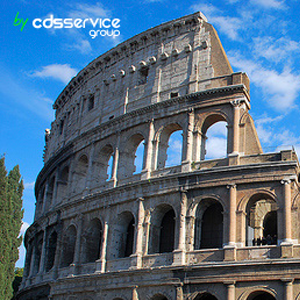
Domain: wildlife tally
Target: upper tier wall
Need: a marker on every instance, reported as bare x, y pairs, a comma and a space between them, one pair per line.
174, 59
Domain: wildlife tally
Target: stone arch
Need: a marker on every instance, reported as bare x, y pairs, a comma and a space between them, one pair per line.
252, 292
208, 121
209, 224
37, 252
51, 250
102, 158
159, 296
68, 246
163, 139
50, 190
260, 214
124, 232
80, 173
162, 221
92, 241
128, 154
203, 295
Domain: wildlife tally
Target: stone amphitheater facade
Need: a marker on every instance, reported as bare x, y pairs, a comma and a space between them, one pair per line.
220, 229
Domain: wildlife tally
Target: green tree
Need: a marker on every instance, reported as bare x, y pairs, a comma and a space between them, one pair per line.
11, 213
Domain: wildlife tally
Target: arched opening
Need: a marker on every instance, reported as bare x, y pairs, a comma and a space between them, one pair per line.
93, 237
51, 251
38, 253
80, 172
132, 157
205, 296
261, 296
68, 246
209, 225
170, 142
261, 221
167, 232
110, 168
124, 235
139, 157
162, 230
159, 297
214, 139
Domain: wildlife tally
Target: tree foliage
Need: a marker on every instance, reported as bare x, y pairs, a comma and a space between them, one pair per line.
11, 213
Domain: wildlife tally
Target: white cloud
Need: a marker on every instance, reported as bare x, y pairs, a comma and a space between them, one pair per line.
275, 50
216, 147
59, 72
280, 89
82, 45
269, 3
24, 227
228, 25
83, 10
22, 251
29, 185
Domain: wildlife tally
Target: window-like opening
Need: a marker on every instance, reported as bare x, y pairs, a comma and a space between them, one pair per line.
50, 190
260, 296
162, 230
51, 251
167, 232
132, 157
109, 167
93, 236
174, 152
205, 296
63, 183
143, 76
209, 225
174, 95
68, 246
37, 255
216, 143
61, 127
261, 221
111, 117
123, 235
169, 146
139, 157
159, 297
91, 102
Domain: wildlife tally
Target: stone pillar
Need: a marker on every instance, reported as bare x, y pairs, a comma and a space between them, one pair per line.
148, 155
45, 197
90, 172
179, 293
54, 193
76, 261
202, 146
114, 171
136, 262
187, 156
287, 213
135, 295
101, 264
179, 253
230, 290
196, 146
236, 133
43, 254
232, 215
288, 289
147, 232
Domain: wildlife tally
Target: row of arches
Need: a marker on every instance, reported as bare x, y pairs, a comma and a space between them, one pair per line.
209, 232
112, 162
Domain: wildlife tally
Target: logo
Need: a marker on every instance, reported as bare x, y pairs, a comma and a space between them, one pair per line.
101, 26
20, 21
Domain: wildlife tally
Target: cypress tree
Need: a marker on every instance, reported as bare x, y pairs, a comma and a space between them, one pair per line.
11, 213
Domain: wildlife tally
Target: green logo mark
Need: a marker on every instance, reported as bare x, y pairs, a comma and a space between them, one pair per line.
20, 21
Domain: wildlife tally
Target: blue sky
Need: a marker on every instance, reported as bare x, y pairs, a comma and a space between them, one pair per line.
261, 37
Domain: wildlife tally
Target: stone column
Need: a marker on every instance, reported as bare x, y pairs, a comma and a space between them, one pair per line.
76, 261
187, 156
232, 215
136, 262
45, 197
230, 290
236, 133
179, 253
288, 289
148, 152
287, 213
179, 293
135, 295
43, 254
101, 264
90, 172
196, 146
147, 232
115, 165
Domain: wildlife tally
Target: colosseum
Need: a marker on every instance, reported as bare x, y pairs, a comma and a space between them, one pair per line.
204, 229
